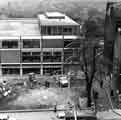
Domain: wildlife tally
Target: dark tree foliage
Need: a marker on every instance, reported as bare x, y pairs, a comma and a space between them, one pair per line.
93, 29
89, 69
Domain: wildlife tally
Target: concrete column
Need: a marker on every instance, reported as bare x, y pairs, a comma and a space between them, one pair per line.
62, 66
0, 44
21, 71
0, 70
41, 56
41, 70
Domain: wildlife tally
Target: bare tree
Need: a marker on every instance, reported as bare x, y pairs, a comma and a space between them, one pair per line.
89, 69
93, 29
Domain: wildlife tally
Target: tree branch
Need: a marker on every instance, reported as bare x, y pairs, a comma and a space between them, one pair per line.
93, 65
85, 64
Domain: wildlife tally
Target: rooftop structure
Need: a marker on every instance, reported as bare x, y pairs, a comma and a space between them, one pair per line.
54, 15
55, 18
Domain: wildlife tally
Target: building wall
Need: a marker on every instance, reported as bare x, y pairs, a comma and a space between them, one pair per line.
43, 54
52, 43
10, 56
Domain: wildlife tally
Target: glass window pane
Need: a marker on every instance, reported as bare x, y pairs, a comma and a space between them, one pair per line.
9, 44
31, 57
31, 43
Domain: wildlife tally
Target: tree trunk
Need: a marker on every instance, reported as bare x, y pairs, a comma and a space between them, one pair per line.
89, 99
90, 79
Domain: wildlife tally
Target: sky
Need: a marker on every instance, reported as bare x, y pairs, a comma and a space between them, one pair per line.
36, 6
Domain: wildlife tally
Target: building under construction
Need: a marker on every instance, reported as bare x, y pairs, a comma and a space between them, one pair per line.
43, 45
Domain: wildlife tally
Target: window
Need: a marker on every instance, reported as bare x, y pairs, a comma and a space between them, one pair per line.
43, 30
33, 43
67, 54
26, 53
71, 30
31, 70
60, 32
52, 57
56, 30
67, 43
9, 44
51, 30
47, 57
67, 31
14, 71
56, 57
51, 70
30, 57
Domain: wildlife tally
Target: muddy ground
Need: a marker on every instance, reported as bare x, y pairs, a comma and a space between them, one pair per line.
25, 97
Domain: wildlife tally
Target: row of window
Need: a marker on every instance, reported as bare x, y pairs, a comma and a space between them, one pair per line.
26, 44
46, 71
36, 44
47, 57
15, 56
60, 30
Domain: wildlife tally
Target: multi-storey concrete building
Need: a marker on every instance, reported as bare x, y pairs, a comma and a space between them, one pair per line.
41, 45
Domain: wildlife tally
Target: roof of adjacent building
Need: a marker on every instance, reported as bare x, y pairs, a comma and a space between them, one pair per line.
55, 18
19, 27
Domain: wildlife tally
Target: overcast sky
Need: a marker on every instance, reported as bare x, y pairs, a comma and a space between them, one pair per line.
5, 1
31, 7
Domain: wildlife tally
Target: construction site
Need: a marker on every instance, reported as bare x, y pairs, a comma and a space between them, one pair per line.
44, 65
37, 57
44, 45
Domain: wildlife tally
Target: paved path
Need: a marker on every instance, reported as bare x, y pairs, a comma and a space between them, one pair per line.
33, 115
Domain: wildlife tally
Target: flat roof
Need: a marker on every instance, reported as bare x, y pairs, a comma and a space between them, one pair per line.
56, 18
13, 27
56, 15
19, 27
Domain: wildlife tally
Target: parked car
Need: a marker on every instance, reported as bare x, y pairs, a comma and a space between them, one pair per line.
6, 117
60, 114
63, 81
